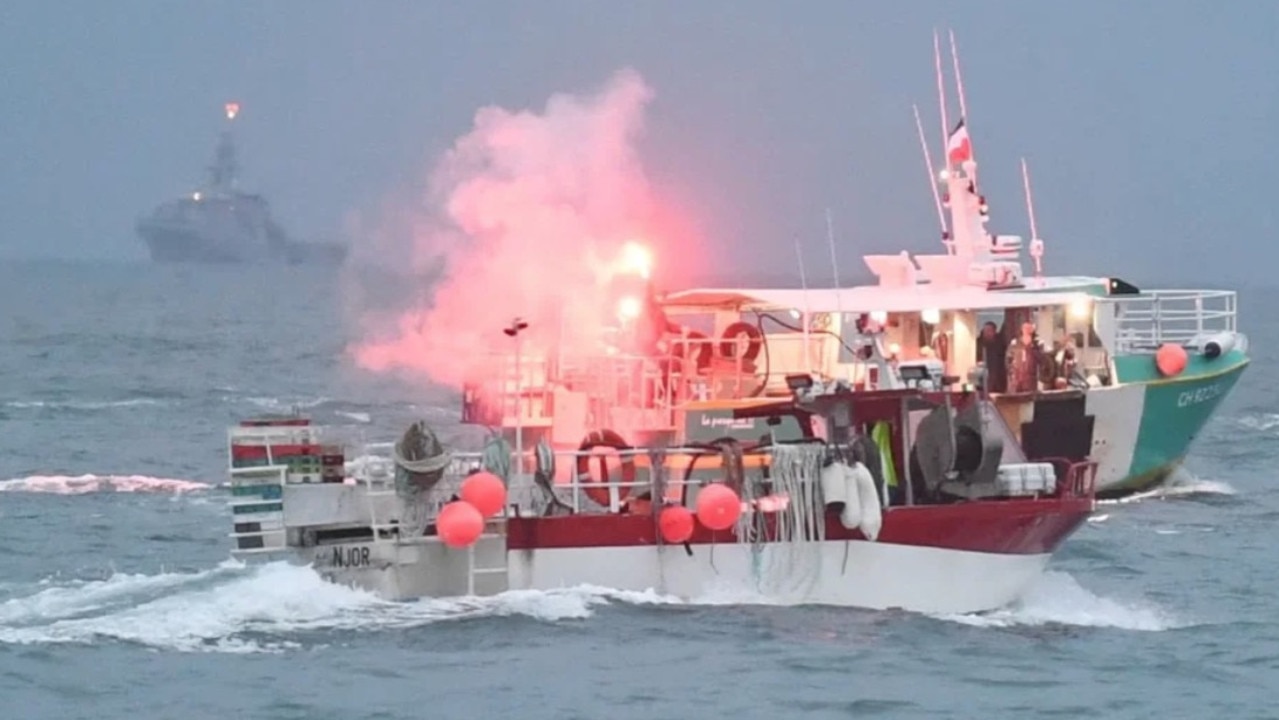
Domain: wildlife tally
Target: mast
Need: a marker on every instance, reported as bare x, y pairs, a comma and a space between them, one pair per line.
932, 181
223, 171
1036, 244
993, 261
968, 210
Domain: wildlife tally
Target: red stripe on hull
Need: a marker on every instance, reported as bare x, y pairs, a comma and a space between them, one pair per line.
1009, 527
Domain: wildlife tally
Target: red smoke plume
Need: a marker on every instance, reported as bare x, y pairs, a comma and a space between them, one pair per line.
528, 213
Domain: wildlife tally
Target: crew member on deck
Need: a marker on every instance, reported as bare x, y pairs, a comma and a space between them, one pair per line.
1025, 358
1067, 364
991, 350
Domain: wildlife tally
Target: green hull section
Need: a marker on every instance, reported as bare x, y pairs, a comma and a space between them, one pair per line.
1174, 412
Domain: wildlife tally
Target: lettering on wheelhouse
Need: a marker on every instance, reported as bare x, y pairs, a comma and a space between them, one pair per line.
351, 556
1199, 395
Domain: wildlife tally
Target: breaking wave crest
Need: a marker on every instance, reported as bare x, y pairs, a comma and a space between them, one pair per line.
82, 405
85, 484
1057, 599
261, 608
1182, 484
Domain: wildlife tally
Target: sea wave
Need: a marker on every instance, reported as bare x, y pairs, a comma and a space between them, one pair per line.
86, 484
1058, 599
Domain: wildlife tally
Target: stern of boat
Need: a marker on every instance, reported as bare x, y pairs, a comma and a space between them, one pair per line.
1155, 410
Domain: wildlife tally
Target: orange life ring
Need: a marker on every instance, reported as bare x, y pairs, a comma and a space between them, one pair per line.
597, 488
729, 340
701, 351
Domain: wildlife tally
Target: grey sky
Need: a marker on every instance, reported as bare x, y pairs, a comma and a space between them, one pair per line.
1149, 126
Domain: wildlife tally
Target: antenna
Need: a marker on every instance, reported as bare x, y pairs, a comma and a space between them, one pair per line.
1036, 245
803, 278
963, 103
803, 283
834, 264
932, 181
959, 77
941, 97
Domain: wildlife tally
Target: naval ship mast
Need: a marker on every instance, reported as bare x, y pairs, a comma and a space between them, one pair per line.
225, 169
220, 223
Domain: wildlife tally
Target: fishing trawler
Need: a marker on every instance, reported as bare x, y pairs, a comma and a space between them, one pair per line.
220, 224
883, 446
1128, 376
817, 520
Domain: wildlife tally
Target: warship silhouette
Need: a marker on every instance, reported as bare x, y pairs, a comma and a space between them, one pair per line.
220, 224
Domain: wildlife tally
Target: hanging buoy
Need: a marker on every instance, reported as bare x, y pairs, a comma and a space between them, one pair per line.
850, 516
872, 518
832, 481
485, 491
676, 524
459, 524
1171, 359
718, 507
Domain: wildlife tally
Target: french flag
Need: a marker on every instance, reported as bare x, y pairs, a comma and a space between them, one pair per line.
958, 148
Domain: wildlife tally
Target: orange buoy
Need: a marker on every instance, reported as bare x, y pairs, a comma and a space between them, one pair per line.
1171, 359
676, 523
718, 507
485, 491
459, 524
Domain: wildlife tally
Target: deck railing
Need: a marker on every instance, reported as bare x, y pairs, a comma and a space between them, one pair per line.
630, 473
1146, 321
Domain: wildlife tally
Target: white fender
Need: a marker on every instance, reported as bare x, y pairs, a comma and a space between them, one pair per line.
834, 489
851, 517
837, 487
863, 487
1215, 346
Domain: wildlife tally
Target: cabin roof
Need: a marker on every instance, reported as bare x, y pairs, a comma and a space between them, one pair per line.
865, 299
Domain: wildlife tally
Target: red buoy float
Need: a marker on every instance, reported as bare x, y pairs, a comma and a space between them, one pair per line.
485, 491
459, 524
676, 524
1171, 359
718, 507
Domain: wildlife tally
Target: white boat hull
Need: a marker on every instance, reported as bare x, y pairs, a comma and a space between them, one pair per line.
853, 573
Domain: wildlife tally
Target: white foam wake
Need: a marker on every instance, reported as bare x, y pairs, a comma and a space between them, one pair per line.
81, 404
261, 608
84, 484
1260, 422
1182, 483
267, 608
1057, 599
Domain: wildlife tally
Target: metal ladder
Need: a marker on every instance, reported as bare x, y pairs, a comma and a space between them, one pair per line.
371, 493
473, 571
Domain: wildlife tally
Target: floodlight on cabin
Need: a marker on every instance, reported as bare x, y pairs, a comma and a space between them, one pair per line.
799, 382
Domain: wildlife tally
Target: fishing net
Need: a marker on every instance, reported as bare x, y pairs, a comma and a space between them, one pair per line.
787, 561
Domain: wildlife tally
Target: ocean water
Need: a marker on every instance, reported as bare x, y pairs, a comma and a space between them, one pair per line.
118, 598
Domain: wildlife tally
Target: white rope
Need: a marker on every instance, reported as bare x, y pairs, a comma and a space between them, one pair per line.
790, 565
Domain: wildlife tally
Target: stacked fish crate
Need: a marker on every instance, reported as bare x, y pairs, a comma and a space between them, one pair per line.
265, 455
